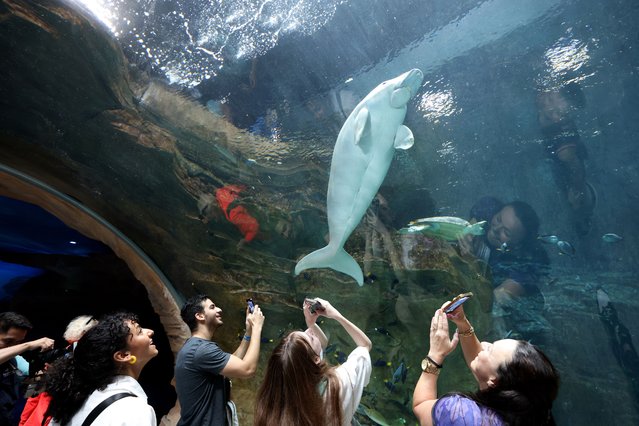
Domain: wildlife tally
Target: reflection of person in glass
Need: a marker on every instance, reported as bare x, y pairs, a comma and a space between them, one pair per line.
517, 262
509, 246
564, 146
517, 382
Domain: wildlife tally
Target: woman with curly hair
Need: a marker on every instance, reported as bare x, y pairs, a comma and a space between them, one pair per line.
517, 382
99, 381
300, 388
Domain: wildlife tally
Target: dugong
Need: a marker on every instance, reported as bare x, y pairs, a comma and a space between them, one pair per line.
361, 158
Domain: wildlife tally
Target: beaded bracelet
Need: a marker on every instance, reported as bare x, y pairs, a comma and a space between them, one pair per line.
467, 333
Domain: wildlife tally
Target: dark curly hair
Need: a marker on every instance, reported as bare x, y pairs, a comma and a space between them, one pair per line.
70, 380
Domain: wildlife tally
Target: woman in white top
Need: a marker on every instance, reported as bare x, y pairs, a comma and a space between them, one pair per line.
107, 361
301, 389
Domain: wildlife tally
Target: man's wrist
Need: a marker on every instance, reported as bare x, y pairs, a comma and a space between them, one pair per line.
26, 347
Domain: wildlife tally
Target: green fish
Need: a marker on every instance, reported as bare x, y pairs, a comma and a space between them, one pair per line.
444, 227
374, 415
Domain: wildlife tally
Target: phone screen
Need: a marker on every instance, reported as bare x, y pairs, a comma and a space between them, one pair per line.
450, 308
250, 304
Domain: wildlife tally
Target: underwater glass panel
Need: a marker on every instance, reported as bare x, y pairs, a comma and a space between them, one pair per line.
236, 108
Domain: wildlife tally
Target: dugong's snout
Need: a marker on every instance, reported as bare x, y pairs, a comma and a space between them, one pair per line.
411, 80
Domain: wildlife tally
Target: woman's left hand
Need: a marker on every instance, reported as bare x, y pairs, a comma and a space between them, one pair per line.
440, 342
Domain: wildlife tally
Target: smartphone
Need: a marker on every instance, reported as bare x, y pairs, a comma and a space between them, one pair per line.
314, 305
457, 302
250, 304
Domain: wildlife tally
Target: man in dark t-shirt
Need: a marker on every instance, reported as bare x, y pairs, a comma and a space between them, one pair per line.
202, 369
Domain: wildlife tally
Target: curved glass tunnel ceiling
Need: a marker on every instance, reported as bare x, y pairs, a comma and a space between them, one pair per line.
146, 111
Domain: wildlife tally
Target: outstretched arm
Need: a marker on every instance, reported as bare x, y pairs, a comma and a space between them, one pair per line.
356, 334
425, 394
311, 323
44, 344
245, 366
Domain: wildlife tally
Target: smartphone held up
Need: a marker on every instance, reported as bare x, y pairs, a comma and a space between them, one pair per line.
314, 305
457, 302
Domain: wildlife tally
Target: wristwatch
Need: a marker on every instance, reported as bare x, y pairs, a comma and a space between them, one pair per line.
429, 367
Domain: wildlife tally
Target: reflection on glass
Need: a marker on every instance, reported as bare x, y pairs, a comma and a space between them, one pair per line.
189, 43
437, 104
566, 55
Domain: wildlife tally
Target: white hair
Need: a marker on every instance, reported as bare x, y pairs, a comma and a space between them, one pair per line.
78, 326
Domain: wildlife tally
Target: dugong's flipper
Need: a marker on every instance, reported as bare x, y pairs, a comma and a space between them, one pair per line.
327, 257
404, 138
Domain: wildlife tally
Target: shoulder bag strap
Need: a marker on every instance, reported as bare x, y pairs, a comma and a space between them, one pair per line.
103, 405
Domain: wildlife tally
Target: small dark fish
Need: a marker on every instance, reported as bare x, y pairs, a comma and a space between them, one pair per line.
383, 331
400, 373
381, 363
340, 356
566, 248
548, 239
611, 238
330, 348
389, 385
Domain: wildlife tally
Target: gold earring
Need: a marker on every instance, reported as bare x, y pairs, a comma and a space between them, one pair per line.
133, 359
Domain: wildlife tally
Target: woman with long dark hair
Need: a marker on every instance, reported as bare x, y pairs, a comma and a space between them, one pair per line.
300, 388
99, 381
517, 382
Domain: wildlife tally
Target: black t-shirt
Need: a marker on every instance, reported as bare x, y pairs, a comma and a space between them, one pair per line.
201, 389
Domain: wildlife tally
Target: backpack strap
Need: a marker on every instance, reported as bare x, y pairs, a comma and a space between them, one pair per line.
103, 405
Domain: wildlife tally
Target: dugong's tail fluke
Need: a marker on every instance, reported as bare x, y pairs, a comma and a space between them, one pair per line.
327, 258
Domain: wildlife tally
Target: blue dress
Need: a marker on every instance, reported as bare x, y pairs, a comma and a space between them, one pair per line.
458, 410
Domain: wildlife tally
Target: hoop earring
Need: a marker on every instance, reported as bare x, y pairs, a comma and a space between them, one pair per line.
133, 359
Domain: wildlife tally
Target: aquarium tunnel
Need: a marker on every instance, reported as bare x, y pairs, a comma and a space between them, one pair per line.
152, 150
